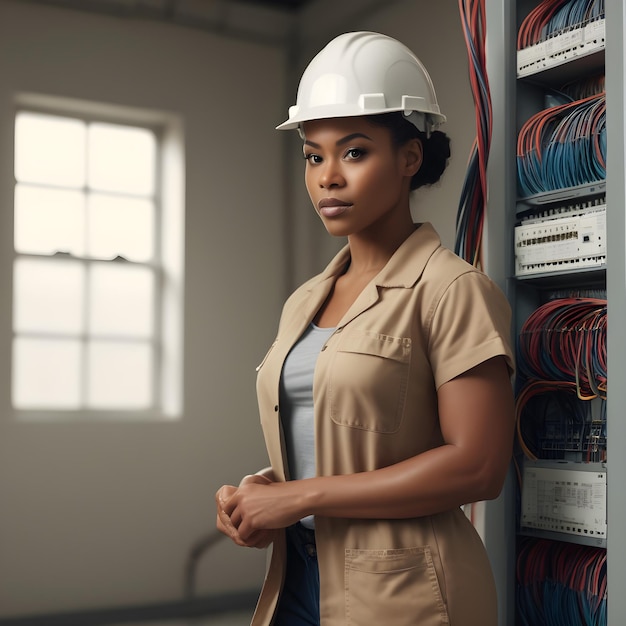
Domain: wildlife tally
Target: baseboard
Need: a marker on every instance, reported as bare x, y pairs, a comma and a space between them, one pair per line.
198, 607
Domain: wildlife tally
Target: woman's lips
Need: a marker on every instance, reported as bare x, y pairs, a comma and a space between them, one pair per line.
332, 207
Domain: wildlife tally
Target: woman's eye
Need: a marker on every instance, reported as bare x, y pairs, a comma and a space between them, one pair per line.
354, 153
313, 159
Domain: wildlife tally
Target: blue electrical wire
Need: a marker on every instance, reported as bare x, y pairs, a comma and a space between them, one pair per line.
572, 147
573, 15
473, 200
560, 584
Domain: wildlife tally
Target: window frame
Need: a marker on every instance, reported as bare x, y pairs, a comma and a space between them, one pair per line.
166, 377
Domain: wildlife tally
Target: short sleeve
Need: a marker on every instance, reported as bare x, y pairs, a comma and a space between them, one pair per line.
471, 323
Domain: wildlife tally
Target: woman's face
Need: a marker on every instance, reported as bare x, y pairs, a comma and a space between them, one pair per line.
357, 180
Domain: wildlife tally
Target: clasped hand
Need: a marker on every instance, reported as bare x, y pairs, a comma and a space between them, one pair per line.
251, 513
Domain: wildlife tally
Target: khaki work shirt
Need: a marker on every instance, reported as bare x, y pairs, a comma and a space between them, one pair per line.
427, 317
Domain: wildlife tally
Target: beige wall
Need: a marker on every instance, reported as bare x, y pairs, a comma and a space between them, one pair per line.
102, 515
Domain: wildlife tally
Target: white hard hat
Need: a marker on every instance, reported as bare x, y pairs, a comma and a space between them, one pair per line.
365, 73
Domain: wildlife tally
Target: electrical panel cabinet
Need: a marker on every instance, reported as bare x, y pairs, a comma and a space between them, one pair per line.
557, 197
559, 249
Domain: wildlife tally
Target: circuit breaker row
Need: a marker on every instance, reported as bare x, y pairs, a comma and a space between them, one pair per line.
568, 238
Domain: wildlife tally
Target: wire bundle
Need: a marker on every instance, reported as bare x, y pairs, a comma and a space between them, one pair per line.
580, 89
562, 360
565, 340
552, 17
473, 201
563, 146
551, 421
561, 584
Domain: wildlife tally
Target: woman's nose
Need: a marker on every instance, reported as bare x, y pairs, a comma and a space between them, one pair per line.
331, 175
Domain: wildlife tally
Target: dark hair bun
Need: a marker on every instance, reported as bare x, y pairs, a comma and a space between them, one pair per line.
436, 154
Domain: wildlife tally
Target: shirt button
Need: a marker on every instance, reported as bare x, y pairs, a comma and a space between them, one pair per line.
276, 408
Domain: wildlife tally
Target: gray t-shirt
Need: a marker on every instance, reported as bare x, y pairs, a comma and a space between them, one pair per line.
296, 398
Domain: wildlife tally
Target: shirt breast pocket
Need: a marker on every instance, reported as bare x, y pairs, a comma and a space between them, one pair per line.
368, 380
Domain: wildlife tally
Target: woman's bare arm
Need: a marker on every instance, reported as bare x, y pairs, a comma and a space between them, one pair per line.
477, 420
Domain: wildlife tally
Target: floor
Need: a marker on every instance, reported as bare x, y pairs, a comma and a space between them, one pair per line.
224, 619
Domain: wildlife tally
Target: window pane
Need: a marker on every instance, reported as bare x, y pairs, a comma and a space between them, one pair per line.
46, 373
121, 159
120, 375
123, 226
121, 300
49, 150
48, 296
49, 220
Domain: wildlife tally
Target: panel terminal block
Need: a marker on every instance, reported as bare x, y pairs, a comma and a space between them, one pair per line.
558, 498
561, 48
561, 239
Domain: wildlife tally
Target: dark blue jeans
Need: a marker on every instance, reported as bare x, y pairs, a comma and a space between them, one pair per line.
299, 603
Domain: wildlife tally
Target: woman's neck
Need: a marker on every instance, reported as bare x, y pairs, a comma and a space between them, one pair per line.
369, 254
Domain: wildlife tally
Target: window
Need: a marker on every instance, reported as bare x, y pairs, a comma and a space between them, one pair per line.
90, 281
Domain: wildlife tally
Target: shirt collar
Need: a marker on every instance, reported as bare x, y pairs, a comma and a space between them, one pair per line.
406, 264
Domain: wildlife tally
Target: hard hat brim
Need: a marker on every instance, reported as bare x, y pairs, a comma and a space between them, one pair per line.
333, 111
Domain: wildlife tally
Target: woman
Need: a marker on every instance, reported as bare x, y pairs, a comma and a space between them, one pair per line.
385, 399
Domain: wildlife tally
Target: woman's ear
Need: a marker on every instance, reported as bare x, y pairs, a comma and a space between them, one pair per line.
413, 155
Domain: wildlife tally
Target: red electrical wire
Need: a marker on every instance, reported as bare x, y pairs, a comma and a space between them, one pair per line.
470, 224
565, 339
531, 29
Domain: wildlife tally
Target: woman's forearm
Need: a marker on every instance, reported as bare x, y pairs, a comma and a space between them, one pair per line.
435, 481
477, 422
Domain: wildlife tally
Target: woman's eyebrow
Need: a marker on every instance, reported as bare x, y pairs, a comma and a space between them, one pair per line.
348, 138
339, 142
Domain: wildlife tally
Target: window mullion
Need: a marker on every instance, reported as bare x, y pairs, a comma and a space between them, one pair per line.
85, 339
